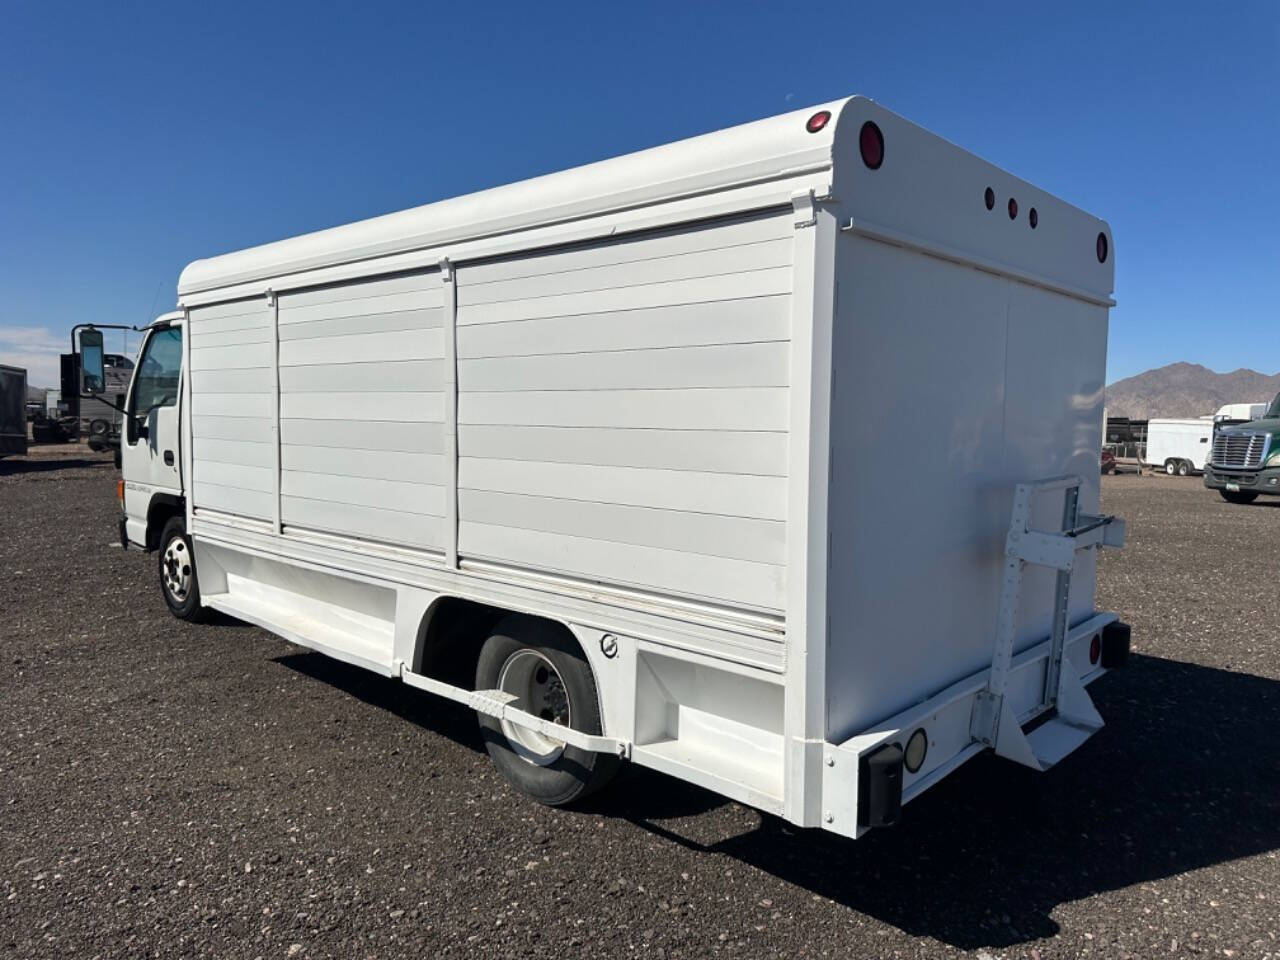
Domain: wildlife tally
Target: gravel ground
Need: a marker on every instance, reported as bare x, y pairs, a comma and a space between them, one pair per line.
212, 791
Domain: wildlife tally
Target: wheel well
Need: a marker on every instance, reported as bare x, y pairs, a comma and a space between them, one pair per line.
163, 506
451, 635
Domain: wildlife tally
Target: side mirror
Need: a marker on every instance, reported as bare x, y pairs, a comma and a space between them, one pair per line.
93, 374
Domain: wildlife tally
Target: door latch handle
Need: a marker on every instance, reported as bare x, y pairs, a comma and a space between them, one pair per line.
168, 458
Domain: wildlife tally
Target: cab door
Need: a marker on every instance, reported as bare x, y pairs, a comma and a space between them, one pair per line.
150, 456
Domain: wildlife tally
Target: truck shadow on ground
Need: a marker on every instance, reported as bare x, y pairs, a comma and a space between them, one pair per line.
15, 467
1183, 777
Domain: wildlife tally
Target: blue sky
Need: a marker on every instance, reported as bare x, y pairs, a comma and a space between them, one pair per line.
137, 138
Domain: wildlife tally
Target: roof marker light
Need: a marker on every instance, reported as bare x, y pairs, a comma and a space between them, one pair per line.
818, 121
871, 143
1013, 209
1033, 218
1102, 248
989, 198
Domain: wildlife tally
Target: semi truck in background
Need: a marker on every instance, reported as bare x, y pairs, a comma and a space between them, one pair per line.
589, 455
1179, 446
1245, 459
13, 411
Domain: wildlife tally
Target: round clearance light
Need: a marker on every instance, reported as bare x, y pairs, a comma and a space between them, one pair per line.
1013, 209
917, 750
818, 121
1033, 218
871, 143
989, 198
1102, 248
1095, 649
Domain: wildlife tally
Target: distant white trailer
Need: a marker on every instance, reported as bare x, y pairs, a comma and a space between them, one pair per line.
603, 438
1239, 412
1179, 447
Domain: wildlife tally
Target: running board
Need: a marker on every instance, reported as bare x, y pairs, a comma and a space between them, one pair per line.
497, 704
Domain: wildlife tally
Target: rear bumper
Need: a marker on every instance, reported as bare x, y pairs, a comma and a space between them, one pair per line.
1252, 481
946, 719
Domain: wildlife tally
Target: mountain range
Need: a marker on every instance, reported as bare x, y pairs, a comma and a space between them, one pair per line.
1187, 390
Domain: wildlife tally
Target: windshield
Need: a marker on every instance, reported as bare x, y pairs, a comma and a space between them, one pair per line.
1274, 409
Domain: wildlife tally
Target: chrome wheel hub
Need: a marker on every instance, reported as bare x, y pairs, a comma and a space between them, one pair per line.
538, 688
175, 569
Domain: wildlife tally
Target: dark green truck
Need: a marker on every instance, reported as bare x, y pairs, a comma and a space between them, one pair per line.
1245, 460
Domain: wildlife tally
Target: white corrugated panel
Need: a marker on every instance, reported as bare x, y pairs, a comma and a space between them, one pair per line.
362, 409
623, 408
233, 456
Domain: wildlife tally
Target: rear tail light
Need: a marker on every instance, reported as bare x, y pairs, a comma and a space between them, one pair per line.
871, 144
120, 491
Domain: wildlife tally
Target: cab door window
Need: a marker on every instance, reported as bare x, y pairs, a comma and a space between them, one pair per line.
155, 384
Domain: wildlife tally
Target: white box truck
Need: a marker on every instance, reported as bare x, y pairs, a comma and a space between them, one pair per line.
590, 454
1179, 447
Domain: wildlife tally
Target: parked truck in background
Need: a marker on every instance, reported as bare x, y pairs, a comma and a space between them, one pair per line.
589, 454
13, 411
1179, 447
1245, 458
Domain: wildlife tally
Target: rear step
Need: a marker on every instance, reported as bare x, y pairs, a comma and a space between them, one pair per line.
1071, 717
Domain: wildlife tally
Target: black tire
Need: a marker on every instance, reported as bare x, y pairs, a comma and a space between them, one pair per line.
1238, 496
572, 773
99, 428
1184, 467
1171, 466
175, 574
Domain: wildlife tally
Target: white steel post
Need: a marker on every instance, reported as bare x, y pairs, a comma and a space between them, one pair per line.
812, 319
273, 304
450, 311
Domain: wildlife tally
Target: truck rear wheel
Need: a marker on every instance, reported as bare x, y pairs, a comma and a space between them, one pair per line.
1184, 468
543, 667
178, 580
1171, 466
1238, 496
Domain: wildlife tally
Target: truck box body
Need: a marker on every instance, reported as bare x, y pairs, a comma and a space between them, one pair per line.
748, 410
13, 411
1179, 441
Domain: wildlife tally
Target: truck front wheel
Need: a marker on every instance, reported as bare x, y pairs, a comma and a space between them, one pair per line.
1238, 496
542, 667
178, 572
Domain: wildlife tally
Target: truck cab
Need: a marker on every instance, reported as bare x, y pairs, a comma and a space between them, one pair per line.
151, 489
1245, 460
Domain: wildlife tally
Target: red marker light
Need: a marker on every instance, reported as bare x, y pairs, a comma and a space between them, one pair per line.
818, 121
1013, 209
989, 198
871, 143
1102, 248
1033, 218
